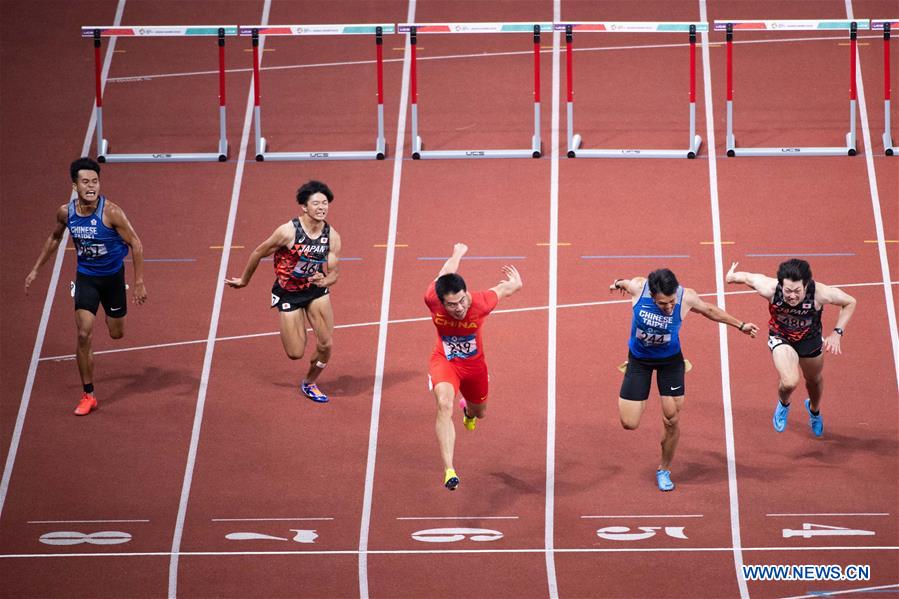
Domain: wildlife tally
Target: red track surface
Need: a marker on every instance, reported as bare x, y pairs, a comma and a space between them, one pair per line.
264, 453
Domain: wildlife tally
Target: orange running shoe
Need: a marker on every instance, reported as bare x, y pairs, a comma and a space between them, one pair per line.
87, 405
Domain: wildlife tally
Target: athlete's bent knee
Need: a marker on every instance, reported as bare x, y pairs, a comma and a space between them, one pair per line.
294, 355
84, 336
630, 425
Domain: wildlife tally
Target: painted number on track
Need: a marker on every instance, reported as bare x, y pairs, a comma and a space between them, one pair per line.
820, 530
452, 535
68, 537
623, 533
299, 536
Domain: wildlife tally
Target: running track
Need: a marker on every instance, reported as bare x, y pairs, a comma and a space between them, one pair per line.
202, 437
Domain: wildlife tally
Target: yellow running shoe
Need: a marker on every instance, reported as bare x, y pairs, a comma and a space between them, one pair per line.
450, 479
468, 422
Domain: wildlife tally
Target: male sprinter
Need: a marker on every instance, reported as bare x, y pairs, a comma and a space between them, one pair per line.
795, 302
659, 306
457, 363
102, 235
307, 255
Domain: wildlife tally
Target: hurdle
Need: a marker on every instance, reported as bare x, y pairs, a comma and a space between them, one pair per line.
886, 25
792, 25
413, 29
574, 140
375, 29
103, 153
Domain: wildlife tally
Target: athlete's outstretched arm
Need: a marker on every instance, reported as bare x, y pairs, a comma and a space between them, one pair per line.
825, 294
716, 314
123, 227
452, 265
50, 245
280, 238
761, 283
633, 287
510, 284
322, 280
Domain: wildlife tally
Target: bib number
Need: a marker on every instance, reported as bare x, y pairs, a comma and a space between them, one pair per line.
462, 347
91, 251
653, 339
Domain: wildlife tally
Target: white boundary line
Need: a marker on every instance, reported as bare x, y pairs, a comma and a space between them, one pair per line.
829, 514
448, 551
384, 320
552, 323
647, 516
722, 329
213, 328
822, 593
875, 206
353, 325
51, 288
317, 65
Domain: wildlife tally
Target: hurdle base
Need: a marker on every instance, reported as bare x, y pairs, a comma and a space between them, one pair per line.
262, 155
888, 148
575, 152
847, 150
418, 153
103, 155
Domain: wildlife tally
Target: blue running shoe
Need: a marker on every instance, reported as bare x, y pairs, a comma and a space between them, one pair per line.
780, 416
816, 423
663, 478
312, 391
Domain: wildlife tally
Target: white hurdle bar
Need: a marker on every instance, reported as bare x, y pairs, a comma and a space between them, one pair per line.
103, 153
375, 29
574, 140
413, 29
886, 25
793, 25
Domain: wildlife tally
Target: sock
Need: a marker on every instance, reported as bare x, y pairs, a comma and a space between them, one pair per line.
89, 388
786, 405
814, 412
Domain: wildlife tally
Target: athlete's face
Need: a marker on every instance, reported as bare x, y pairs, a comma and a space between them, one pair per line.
317, 206
457, 304
665, 303
794, 291
87, 186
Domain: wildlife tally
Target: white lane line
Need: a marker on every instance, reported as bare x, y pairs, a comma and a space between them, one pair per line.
831, 514
732, 491
875, 206
457, 518
384, 320
819, 594
406, 320
51, 288
649, 516
345, 63
213, 328
269, 519
83, 521
540, 550
552, 323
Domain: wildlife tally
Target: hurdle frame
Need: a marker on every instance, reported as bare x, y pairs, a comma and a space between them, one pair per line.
413, 29
574, 140
376, 29
886, 25
99, 32
852, 25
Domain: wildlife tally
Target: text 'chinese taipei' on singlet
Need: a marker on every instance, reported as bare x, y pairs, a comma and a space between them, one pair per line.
307, 256
461, 339
794, 323
101, 250
654, 334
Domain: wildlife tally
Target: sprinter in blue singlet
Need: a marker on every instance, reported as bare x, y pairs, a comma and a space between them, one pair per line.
102, 235
659, 305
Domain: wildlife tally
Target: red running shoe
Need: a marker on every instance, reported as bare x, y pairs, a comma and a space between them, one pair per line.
87, 405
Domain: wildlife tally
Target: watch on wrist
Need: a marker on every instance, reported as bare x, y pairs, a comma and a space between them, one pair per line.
838, 331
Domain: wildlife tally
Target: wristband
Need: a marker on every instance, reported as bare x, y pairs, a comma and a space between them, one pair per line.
742, 324
838, 331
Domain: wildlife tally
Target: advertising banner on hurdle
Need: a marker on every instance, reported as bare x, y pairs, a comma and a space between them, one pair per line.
852, 27
219, 31
414, 29
887, 25
574, 140
375, 30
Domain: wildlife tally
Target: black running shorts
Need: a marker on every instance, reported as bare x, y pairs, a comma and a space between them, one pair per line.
288, 301
638, 377
92, 290
810, 346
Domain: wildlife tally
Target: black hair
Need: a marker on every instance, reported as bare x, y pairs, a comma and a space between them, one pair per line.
795, 270
662, 281
83, 164
449, 284
310, 188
